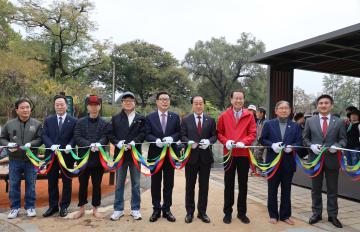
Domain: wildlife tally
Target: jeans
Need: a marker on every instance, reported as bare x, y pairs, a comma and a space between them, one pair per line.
16, 170
353, 157
120, 186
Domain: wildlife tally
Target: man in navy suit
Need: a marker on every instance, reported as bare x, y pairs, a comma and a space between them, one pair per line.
58, 133
281, 133
162, 128
199, 129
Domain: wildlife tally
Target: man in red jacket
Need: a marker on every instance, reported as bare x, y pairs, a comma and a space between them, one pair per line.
236, 129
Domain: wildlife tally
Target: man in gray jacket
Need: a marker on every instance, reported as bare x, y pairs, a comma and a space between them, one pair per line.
23, 131
325, 130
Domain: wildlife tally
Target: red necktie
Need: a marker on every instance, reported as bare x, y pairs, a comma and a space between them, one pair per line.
324, 126
199, 128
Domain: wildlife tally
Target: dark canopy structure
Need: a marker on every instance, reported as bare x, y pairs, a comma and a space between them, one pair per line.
337, 52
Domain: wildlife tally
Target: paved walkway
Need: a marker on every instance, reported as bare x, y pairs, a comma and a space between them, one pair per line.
349, 211
257, 211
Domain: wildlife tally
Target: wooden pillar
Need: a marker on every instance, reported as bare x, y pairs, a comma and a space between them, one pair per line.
280, 87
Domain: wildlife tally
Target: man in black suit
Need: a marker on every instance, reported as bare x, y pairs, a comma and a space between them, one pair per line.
162, 128
199, 130
58, 133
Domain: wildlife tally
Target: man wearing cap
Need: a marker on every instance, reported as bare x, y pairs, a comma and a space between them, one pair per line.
261, 119
162, 128
127, 128
199, 129
353, 136
23, 131
91, 132
252, 109
58, 133
236, 129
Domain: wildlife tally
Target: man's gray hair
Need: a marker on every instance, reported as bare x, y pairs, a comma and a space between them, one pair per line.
281, 102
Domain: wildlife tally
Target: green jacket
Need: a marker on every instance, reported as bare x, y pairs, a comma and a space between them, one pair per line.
16, 131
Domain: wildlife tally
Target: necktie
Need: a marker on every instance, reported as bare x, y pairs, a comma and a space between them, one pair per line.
237, 116
324, 126
199, 128
163, 122
60, 123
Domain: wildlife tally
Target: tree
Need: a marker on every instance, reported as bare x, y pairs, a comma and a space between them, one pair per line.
144, 69
344, 90
224, 66
64, 29
302, 101
7, 11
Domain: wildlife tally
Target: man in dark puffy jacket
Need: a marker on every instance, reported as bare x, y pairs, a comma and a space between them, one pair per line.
91, 131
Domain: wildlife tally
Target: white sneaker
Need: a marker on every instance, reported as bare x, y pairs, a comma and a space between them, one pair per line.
136, 214
116, 215
13, 213
31, 212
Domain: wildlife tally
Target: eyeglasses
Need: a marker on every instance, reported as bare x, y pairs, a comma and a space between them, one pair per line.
128, 101
164, 99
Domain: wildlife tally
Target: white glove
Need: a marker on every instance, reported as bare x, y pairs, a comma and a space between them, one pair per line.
93, 147
159, 143
128, 146
229, 144
120, 144
168, 140
54, 147
98, 144
68, 148
27, 145
277, 147
288, 149
333, 149
132, 143
193, 144
315, 148
12, 145
205, 143
240, 145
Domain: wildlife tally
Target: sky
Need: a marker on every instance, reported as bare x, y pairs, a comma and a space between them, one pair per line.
176, 25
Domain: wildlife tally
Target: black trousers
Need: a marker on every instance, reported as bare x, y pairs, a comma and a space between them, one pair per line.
284, 179
53, 186
191, 173
96, 174
241, 166
166, 172
331, 176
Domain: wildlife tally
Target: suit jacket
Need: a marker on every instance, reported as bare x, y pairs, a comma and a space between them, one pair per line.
121, 130
336, 135
51, 134
154, 131
189, 132
271, 134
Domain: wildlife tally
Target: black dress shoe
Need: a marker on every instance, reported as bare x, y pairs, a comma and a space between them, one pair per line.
50, 212
335, 222
227, 219
189, 218
169, 216
63, 212
314, 219
244, 219
155, 215
203, 217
